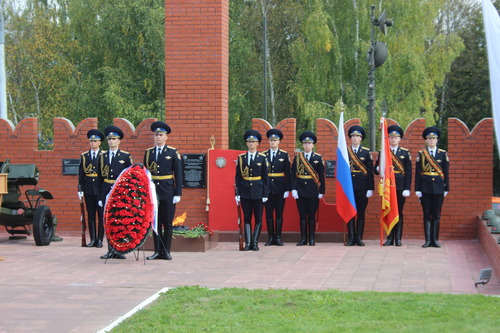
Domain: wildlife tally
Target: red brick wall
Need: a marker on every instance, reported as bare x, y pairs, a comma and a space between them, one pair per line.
471, 156
489, 242
196, 83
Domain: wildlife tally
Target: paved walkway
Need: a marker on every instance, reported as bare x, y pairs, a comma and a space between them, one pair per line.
66, 288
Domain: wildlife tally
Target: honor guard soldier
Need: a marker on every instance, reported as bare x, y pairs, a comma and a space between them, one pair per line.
252, 187
361, 165
112, 163
432, 184
279, 186
165, 164
401, 161
308, 186
89, 187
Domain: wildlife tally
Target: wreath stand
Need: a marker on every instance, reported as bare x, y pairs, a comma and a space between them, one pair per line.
136, 252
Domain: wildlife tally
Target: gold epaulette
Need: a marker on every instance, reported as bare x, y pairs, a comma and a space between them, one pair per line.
283, 151
171, 147
317, 154
364, 148
242, 154
263, 155
403, 148
441, 150
123, 151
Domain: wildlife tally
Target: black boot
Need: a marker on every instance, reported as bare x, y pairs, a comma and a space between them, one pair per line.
248, 236
255, 238
435, 234
158, 253
168, 243
359, 232
100, 230
279, 226
427, 233
270, 232
390, 238
399, 232
111, 254
312, 232
350, 233
303, 233
92, 234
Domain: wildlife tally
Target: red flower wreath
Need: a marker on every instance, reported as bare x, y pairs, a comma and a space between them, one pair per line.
129, 211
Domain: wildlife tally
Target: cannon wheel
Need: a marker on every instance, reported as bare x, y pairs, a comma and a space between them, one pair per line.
43, 226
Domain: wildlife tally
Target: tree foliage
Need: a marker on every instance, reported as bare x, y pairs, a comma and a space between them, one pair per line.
79, 59
326, 44
105, 59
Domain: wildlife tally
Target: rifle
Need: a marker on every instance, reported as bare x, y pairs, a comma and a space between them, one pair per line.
84, 224
240, 225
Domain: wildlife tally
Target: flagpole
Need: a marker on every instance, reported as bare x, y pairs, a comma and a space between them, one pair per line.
381, 158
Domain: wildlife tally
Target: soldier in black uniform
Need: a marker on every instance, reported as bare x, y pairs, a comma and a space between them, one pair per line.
432, 184
164, 163
401, 161
279, 186
89, 186
252, 187
112, 163
361, 164
308, 186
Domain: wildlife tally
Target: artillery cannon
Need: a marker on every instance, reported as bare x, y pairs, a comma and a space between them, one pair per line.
28, 216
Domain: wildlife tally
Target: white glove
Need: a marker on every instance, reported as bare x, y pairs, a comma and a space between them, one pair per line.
286, 194
378, 168
369, 193
406, 193
445, 193
295, 194
237, 198
264, 199
320, 196
176, 199
418, 194
100, 203
80, 195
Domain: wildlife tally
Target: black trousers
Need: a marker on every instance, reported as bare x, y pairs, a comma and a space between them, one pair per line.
275, 205
166, 212
356, 226
94, 210
252, 207
307, 208
431, 206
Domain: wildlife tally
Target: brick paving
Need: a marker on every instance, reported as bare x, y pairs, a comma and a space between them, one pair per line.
66, 288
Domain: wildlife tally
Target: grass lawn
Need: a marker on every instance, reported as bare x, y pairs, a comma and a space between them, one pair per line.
195, 309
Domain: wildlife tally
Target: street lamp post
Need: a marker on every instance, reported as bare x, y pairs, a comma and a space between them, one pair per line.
377, 55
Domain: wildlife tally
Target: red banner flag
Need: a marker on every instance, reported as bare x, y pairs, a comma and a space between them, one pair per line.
387, 185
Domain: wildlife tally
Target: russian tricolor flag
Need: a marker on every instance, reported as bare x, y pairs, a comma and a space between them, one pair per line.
346, 205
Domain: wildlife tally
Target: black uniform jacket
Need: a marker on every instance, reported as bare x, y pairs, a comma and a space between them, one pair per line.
88, 174
362, 180
427, 177
278, 172
301, 178
252, 181
110, 172
402, 169
166, 173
